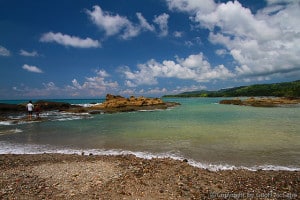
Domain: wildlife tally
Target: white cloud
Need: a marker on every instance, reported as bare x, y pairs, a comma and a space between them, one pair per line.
178, 34
194, 67
50, 86
162, 21
130, 84
67, 40
203, 6
93, 86
113, 24
32, 68
263, 45
188, 43
4, 51
157, 91
29, 54
181, 89
48, 90
221, 52
144, 24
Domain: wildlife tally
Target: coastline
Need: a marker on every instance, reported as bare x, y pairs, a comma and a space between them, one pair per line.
64, 176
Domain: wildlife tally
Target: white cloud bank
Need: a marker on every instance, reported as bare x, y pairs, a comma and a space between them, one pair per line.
67, 40
263, 45
195, 67
93, 86
33, 69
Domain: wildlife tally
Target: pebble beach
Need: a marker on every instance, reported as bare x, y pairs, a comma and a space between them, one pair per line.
63, 176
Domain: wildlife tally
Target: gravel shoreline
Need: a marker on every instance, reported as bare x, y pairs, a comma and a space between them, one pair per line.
61, 176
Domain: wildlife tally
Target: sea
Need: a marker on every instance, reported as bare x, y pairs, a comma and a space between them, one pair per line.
209, 135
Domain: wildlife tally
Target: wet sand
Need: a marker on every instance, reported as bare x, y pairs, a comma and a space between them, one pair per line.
61, 176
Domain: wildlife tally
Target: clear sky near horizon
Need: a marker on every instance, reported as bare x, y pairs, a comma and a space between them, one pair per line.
85, 49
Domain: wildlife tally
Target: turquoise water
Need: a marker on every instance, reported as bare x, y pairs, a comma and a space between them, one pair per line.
200, 129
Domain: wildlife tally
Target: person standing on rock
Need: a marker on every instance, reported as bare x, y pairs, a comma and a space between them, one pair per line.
30, 107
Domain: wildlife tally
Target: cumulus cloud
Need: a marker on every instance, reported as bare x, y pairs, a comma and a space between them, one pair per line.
4, 51
33, 69
194, 67
67, 40
28, 54
162, 21
263, 45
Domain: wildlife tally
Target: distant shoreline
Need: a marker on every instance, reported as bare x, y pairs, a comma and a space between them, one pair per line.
115, 177
286, 89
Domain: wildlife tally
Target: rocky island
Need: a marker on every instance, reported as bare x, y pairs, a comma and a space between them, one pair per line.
262, 102
121, 104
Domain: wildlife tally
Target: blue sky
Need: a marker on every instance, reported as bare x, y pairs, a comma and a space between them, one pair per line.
86, 49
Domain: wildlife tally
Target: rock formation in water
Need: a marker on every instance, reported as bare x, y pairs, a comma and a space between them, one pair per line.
262, 102
121, 104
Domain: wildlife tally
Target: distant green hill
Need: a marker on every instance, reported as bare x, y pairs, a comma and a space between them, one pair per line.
287, 89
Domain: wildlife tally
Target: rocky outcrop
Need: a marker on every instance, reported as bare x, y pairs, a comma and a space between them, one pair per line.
262, 102
111, 105
121, 104
11, 107
43, 105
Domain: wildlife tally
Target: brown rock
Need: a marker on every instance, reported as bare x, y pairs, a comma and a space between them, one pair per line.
262, 102
121, 104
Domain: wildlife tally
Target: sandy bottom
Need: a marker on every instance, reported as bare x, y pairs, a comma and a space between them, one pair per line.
60, 176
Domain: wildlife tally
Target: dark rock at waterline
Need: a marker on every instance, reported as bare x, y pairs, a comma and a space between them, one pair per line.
12, 107
231, 101
47, 105
42, 105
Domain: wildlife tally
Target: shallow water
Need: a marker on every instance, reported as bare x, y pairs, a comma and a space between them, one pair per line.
207, 133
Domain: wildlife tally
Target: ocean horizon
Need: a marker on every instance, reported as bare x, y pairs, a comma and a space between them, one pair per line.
208, 134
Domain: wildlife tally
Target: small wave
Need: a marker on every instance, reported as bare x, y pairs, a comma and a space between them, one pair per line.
69, 118
14, 122
87, 105
11, 131
6, 123
10, 148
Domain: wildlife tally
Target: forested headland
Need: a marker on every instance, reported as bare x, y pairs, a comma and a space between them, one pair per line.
286, 89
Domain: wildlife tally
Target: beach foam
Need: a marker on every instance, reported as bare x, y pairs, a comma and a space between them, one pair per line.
5, 123
11, 148
87, 105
